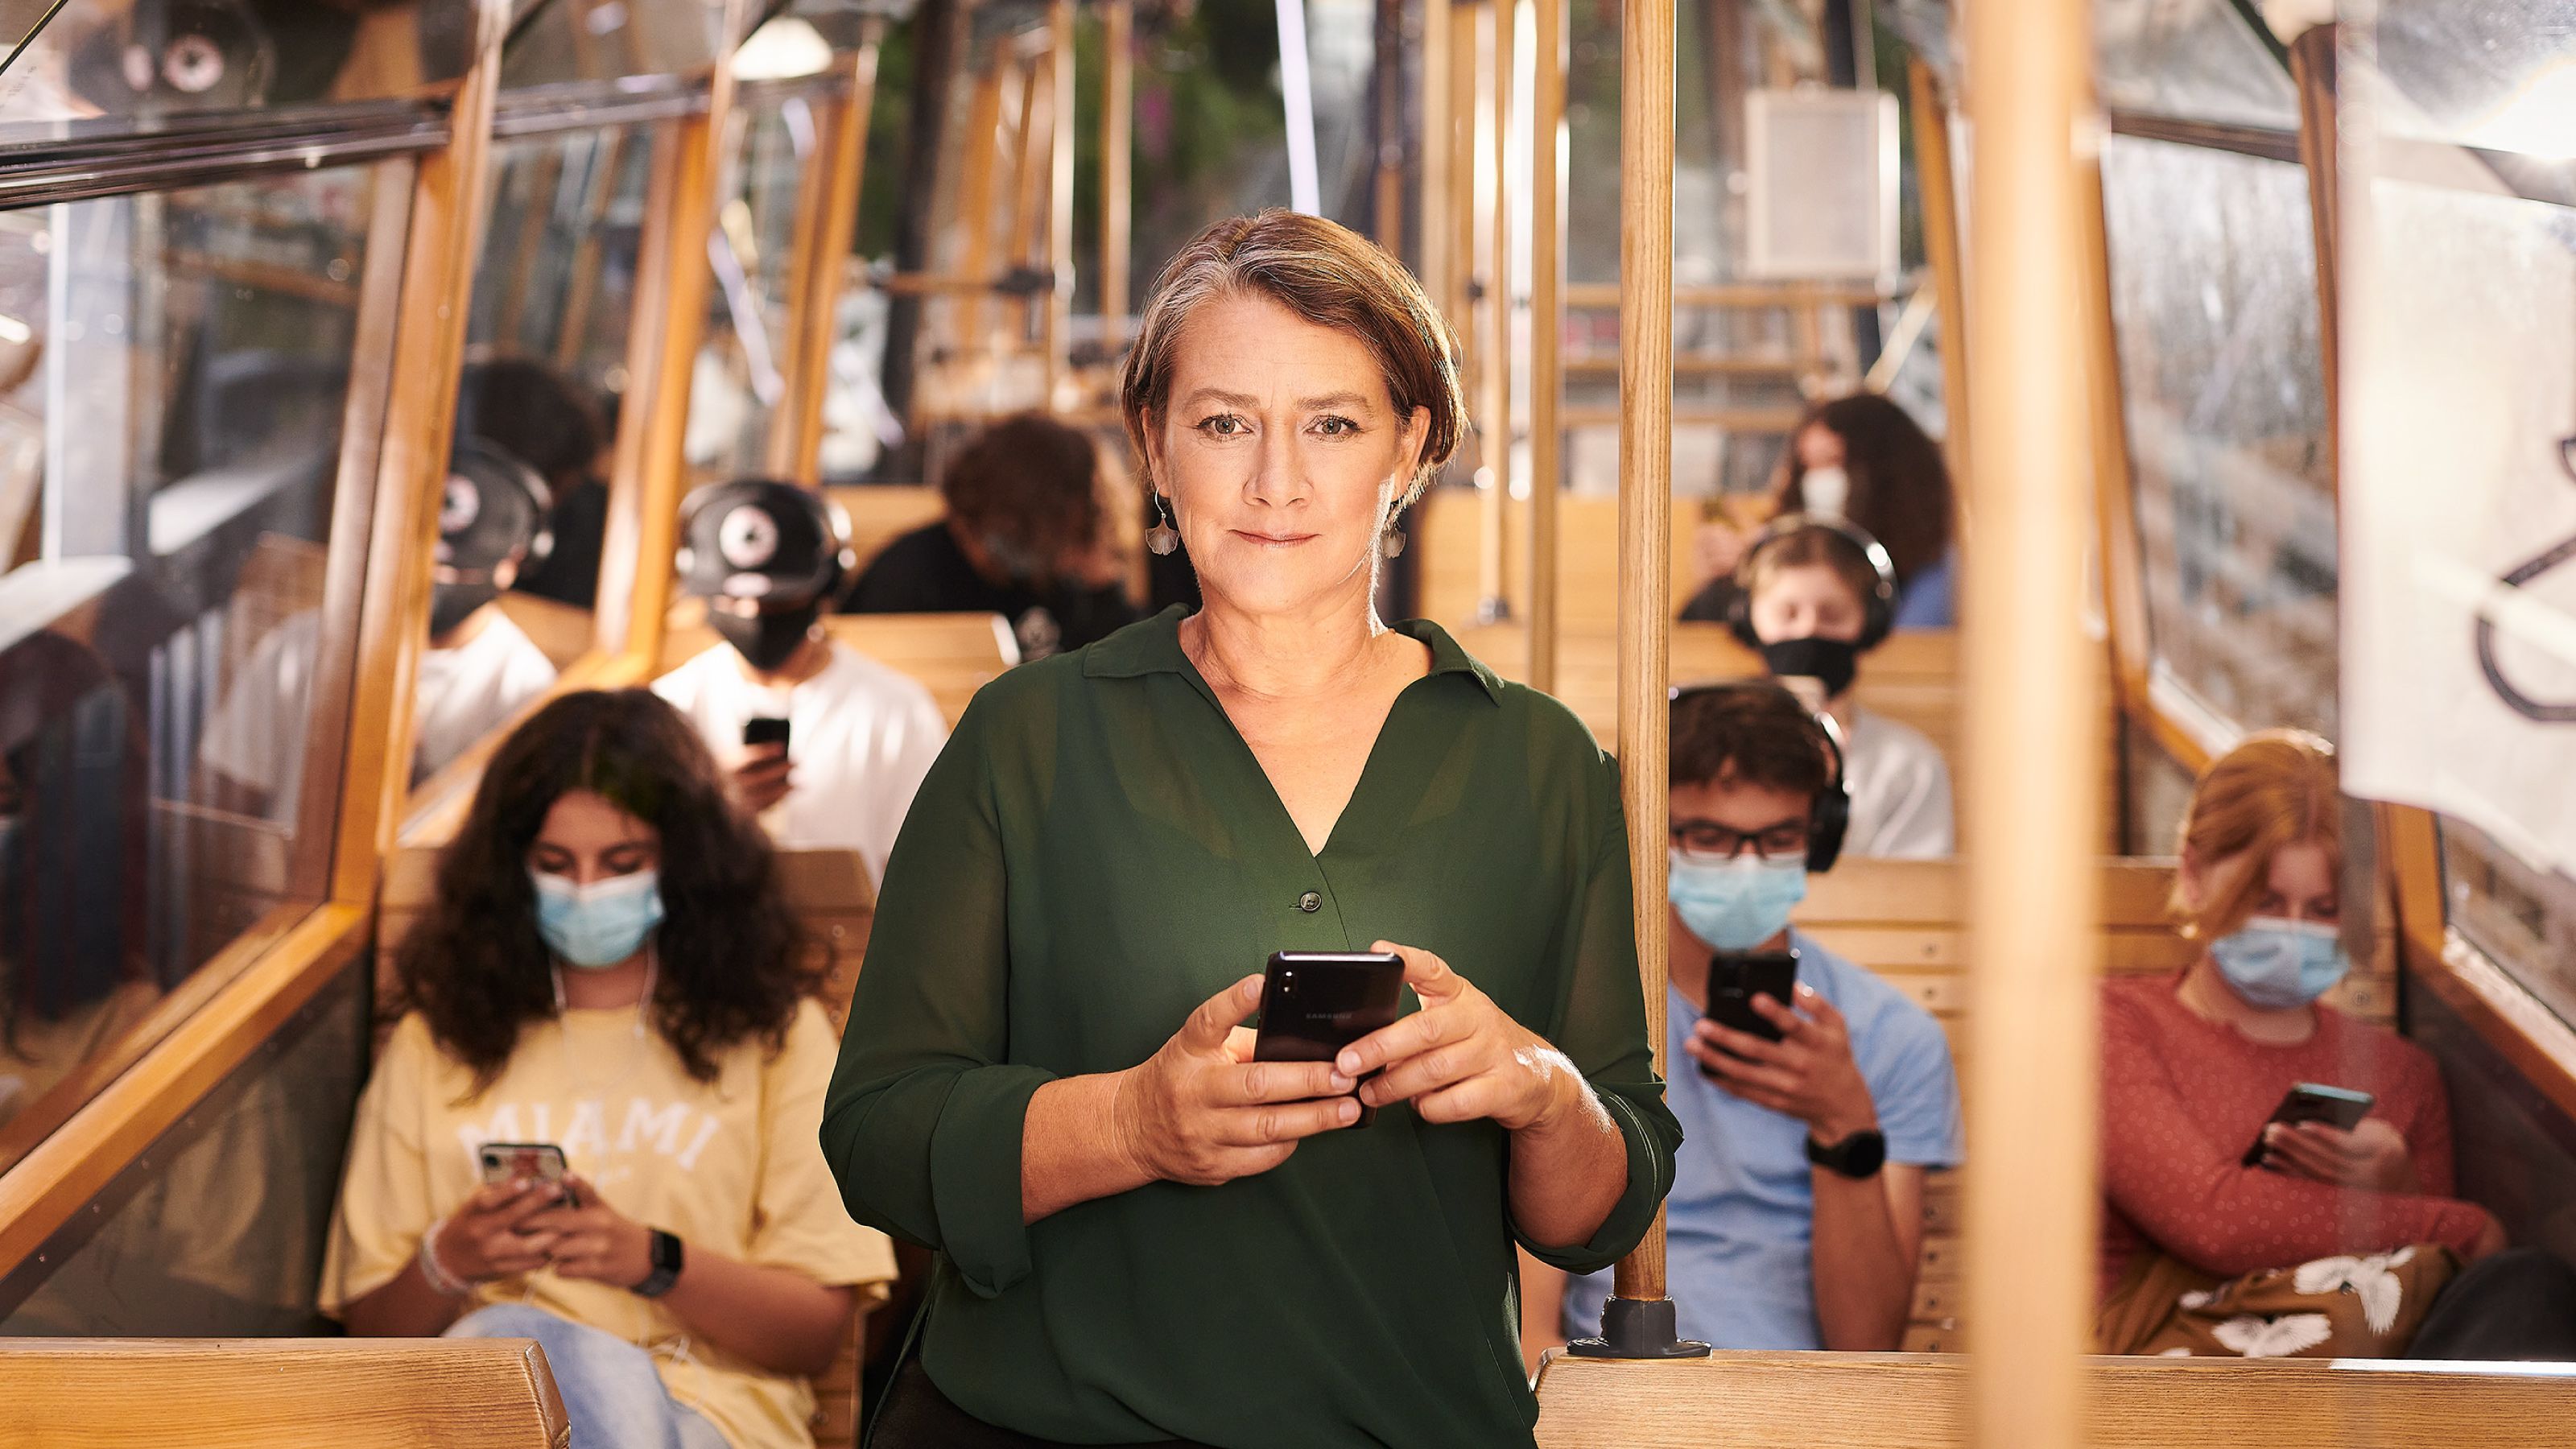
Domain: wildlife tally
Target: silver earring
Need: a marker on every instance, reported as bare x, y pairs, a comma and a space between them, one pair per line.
1162, 538
1390, 544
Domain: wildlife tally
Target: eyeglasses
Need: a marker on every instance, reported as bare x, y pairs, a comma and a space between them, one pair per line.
1710, 843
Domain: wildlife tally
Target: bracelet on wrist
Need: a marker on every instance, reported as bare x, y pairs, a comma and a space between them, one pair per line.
445, 1283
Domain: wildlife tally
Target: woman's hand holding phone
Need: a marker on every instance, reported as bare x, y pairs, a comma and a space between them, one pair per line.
2372, 1155
1461, 1057
592, 1241
1201, 1111
493, 1236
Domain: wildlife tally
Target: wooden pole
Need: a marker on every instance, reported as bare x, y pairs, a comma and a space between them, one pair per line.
831, 262
1547, 334
1054, 328
2034, 731
1645, 514
1494, 431
1465, 103
1117, 168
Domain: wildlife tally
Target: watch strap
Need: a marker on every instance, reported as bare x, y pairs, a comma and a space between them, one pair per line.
667, 1257
1858, 1156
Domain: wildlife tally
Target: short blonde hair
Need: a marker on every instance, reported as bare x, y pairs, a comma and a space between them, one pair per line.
2275, 789
1327, 274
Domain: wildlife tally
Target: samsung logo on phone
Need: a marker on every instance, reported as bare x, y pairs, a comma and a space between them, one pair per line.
1335, 1017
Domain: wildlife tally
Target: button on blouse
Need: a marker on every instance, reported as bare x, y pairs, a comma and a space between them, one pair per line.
1096, 853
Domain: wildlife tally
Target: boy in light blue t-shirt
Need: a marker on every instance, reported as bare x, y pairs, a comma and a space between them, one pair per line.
1796, 1215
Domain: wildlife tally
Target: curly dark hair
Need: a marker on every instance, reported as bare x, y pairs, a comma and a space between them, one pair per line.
730, 967
1032, 479
1900, 487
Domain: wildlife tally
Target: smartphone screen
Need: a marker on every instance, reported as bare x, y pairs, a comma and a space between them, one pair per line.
2313, 1102
1314, 1003
765, 730
1736, 977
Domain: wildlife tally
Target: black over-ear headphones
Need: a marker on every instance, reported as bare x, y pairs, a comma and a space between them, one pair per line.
1878, 608
1829, 818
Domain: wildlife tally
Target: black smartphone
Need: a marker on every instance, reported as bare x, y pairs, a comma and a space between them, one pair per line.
524, 1161
765, 730
1736, 977
1314, 1003
2312, 1102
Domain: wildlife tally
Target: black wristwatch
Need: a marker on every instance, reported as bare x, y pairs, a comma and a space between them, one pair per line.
1858, 1156
666, 1266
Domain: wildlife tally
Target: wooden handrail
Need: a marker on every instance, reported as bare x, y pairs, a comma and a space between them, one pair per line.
1547, 332
438, 1393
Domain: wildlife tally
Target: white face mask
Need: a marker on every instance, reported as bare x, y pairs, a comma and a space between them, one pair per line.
1827, 491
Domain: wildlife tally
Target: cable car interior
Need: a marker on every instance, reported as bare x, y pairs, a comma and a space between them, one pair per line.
273, 277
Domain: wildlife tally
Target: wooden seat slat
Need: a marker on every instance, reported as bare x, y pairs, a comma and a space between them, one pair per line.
363, 1393
1882, 1401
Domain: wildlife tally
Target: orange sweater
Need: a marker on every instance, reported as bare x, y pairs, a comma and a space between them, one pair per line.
2183, 1097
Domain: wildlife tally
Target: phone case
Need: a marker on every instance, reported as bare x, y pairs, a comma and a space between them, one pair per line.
1735, 979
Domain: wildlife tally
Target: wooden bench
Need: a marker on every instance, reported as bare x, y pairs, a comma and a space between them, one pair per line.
1879, 1401
561, 632
952, 655
881, 513
829, 893
346, 1393
1905, 920
1447, 528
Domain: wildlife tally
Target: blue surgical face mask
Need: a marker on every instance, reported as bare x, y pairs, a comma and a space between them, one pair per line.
2276, 964
596, 926
1740, 904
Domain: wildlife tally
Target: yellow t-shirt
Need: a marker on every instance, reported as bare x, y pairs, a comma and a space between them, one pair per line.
732, 1166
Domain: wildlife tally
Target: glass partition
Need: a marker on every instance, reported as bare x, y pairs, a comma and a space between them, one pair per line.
103, 68
2198, 60
2496, 74
772, 137
177, 368
2214, 293
558, 42
217, 1228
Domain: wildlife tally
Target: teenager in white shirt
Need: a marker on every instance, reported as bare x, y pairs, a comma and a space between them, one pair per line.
1814, 596
769, 557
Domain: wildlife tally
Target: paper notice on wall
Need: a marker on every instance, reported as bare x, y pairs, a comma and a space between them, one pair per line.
2459, 527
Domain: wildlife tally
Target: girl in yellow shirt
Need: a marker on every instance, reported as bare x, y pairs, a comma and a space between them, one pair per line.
609, 968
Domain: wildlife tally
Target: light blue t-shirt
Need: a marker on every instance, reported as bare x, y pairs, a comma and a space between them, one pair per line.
1742, 1211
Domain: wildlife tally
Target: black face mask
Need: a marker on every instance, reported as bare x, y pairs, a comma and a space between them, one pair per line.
1830, 662
450, 605
766, 641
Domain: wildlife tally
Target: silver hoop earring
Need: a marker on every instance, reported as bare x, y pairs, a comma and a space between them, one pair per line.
1162, 539
1390, 544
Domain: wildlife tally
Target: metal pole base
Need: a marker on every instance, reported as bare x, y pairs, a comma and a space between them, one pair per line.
1638, 1328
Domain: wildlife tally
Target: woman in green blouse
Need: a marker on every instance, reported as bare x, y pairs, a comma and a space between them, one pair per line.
1143, 1236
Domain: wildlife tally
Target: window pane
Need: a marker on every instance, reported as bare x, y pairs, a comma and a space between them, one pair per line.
175, 389
740, 379
2499, 74
2213, 288
557, 41
2195, 60
217, 1229
99, 67
2520, 915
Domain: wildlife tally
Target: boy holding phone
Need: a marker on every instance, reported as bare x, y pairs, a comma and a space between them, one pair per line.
1796, 1216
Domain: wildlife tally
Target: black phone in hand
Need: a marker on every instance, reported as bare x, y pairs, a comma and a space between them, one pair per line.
1736, 977
1314, 1003
2312, 1102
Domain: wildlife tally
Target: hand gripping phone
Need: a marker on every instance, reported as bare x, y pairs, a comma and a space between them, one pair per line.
524, 1161
2311, 1102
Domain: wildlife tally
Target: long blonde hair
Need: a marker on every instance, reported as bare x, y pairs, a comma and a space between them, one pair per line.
2275, 789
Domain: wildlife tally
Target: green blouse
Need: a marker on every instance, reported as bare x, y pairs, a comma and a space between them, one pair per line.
1095, 854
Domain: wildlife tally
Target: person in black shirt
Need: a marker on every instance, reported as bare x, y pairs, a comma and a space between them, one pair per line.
1023, 538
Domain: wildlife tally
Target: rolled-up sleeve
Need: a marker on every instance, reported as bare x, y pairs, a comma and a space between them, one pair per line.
924, 1121
1602, 1027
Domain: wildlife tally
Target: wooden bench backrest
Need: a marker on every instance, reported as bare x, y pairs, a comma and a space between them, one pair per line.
952, 655
1447, 529
1761, 1400
1906, 921
438, 1393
